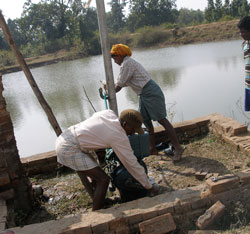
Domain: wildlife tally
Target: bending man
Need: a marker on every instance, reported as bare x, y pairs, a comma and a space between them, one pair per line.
102, 130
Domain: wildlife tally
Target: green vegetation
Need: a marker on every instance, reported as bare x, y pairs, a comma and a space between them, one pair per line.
51, 26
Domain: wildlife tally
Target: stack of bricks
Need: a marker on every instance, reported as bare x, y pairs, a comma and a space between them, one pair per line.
7, 141
13, 182
231, 131
185, 130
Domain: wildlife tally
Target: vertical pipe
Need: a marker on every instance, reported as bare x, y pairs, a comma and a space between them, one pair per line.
106, 54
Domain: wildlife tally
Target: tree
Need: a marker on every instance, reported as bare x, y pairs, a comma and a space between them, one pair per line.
187, 17
235, 6
226, 7
209, 11
116, 18
244, 9
88, 25
150, 13
3, 43
218, 10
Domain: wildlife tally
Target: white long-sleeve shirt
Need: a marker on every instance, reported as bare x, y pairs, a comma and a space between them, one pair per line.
103, 130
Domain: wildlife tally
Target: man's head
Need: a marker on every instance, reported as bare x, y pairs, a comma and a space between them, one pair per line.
244, 26
119, 52
131, 121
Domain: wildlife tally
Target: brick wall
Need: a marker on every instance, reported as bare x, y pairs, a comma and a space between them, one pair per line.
13, 183
178, 209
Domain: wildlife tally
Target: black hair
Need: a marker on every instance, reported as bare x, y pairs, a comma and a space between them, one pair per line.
244, 23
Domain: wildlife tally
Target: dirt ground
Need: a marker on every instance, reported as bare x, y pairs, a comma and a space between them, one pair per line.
63, 194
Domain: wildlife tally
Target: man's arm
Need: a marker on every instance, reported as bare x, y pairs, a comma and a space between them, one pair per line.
125, 153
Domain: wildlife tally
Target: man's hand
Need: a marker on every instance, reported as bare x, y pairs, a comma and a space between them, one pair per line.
154, 190
117, 88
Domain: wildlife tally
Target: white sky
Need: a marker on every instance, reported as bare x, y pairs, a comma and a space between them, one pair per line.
13, 8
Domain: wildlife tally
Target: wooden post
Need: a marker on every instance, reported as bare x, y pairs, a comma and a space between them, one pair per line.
29, 76
106, 55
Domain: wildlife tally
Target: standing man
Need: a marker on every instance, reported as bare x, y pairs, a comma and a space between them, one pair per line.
151, 103
101, 131
244, 26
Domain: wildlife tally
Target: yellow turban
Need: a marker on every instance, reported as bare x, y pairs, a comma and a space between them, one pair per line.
120, 50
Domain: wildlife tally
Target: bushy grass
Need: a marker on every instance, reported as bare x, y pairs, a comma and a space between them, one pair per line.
7, 58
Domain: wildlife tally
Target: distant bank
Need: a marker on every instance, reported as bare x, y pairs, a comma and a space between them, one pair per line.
154, 37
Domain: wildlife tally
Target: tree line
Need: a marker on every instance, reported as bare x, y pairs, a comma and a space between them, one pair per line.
52, 25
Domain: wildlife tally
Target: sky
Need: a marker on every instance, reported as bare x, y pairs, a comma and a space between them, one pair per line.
13, 8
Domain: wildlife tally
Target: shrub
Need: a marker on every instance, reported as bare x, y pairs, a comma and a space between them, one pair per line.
150, 37
7, 58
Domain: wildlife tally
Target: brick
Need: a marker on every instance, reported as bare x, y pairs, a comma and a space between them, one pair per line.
4, 179
2, 202
83, 230
124, 230
77, 229
118, 224
212, 214
182, 208
223, 184
244, 176
99, 228
181, 221
226, 196
6, 195
165, 210
158, 225
68, 232
193, 215
204, 232
2, 226
3, 211
133, 219
200, 203
149, 214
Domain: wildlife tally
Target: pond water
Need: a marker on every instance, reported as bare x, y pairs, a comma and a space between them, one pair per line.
197, 80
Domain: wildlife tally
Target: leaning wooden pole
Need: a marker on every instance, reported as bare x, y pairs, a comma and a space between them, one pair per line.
29, 76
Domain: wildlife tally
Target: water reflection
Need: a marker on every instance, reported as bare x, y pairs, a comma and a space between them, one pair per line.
196, 79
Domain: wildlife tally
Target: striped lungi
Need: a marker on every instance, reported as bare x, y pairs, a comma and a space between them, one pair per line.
69, 153
152, 103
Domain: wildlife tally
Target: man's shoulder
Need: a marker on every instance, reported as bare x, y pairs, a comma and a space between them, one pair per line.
129, 61
107, 113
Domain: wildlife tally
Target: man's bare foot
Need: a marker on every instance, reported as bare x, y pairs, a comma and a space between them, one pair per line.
178, 155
